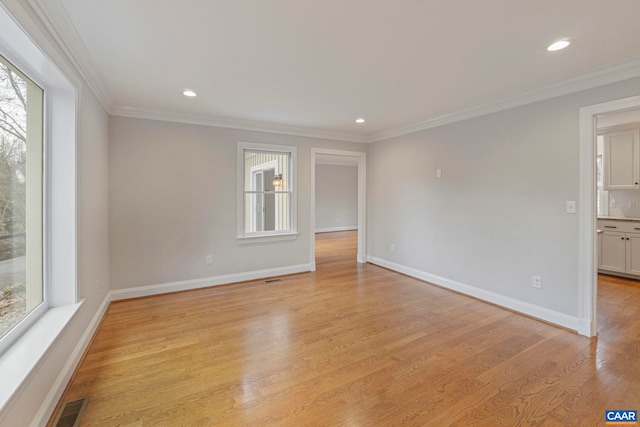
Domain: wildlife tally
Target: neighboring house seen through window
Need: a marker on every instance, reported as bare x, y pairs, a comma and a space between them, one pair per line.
267, 206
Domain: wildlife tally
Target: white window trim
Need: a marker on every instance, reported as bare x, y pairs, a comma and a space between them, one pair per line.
37, 333
270, 236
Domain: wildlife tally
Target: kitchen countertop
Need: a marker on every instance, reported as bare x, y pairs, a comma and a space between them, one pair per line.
616, 218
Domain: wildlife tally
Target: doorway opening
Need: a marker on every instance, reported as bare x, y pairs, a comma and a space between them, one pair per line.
587, 248
344, 221
618, 216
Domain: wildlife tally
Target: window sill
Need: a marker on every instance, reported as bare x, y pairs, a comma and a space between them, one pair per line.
22, 359
266, 238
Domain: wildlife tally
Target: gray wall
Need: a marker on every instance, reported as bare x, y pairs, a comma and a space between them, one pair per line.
497, 216
173, 200
336, 197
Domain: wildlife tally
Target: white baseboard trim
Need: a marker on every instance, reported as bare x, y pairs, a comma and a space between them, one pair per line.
205, 282
332, 229
529, 309
54, 395
584, 327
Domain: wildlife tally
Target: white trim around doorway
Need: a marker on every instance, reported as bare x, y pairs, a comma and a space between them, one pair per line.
362, 201
587, 250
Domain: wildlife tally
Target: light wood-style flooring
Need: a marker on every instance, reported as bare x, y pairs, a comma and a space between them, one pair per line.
354, 345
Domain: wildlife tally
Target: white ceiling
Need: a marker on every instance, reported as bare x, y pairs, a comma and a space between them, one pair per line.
318, 65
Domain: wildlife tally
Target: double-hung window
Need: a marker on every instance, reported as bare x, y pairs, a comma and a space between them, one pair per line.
266, 180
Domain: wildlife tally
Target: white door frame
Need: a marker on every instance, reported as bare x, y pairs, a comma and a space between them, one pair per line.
362, 201
587, 248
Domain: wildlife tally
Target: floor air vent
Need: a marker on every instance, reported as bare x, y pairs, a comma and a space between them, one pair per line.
71, 412
273, 280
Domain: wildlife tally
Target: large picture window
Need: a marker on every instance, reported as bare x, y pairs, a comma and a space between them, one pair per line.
21, 283
267, 190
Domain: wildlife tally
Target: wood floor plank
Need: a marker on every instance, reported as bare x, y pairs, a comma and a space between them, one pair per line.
353, 344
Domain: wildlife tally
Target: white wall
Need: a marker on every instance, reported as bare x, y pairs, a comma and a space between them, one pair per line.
497, 216
173, 201
34, 398
336, 197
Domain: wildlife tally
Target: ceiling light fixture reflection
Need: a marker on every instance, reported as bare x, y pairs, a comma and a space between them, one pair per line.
559, 45
189, 93
360, 120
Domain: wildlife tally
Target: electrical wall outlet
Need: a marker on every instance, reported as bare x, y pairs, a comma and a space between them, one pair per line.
209, 259
537, 282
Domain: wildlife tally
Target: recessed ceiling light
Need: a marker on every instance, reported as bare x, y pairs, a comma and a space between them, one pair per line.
189, 93
559, 45
360, 120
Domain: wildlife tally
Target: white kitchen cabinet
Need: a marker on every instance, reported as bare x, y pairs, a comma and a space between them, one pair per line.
612, 251
619, 247
633, 253
621, 160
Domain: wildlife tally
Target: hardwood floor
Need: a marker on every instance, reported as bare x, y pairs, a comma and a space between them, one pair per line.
353, 345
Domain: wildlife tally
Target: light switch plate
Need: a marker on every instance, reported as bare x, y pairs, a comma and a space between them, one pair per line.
571, 207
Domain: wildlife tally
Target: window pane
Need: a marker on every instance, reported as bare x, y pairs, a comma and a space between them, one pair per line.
267, 212
270, 163
282, 209
266, 177
20, 196
253, 212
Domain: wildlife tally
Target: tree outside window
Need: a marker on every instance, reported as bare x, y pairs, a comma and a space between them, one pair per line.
21, 287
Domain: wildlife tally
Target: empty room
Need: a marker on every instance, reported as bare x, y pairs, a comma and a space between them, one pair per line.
323, 213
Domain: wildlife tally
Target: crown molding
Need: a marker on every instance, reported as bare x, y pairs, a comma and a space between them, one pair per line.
25, 17
54, 17
231, 123
602, 76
